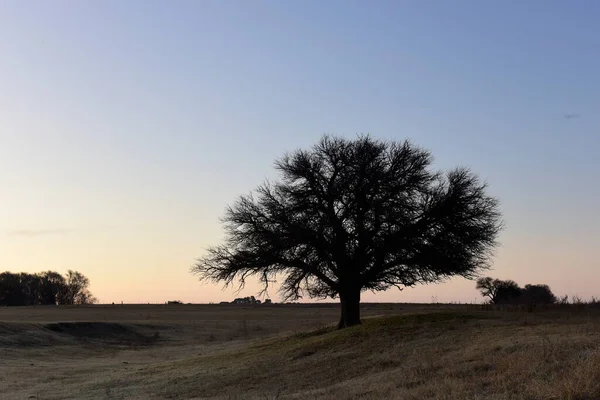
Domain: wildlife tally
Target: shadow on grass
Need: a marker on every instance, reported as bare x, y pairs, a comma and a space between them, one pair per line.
105, 332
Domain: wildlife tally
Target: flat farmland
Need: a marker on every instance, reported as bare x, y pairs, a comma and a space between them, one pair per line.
403, 351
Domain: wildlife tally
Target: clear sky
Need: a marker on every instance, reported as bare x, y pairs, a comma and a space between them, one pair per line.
126, 127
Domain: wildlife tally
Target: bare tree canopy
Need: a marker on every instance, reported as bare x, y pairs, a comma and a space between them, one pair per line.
355, 215
77, 291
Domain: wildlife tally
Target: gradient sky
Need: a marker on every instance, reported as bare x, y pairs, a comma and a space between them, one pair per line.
126, 127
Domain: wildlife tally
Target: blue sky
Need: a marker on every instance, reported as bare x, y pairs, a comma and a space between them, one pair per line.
127, 127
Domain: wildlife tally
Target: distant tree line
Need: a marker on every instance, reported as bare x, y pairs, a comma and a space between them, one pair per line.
44, 288
509, 292
247, 300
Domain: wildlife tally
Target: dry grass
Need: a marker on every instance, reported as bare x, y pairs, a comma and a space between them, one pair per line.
410, 352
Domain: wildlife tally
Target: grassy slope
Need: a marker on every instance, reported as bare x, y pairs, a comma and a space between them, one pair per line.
444, 355
434, 356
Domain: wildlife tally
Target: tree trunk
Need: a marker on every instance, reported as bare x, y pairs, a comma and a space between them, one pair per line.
350, 302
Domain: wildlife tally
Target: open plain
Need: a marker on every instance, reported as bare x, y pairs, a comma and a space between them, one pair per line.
403, 351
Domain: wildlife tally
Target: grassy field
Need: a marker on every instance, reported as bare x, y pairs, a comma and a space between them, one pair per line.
401, 351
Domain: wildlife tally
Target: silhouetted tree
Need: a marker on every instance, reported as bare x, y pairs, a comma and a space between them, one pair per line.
499, 291
24, 289
76, 289
508, 292
29, 288
51, 285
488, 288
19, 289
355, 215
538, 294
11, 292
